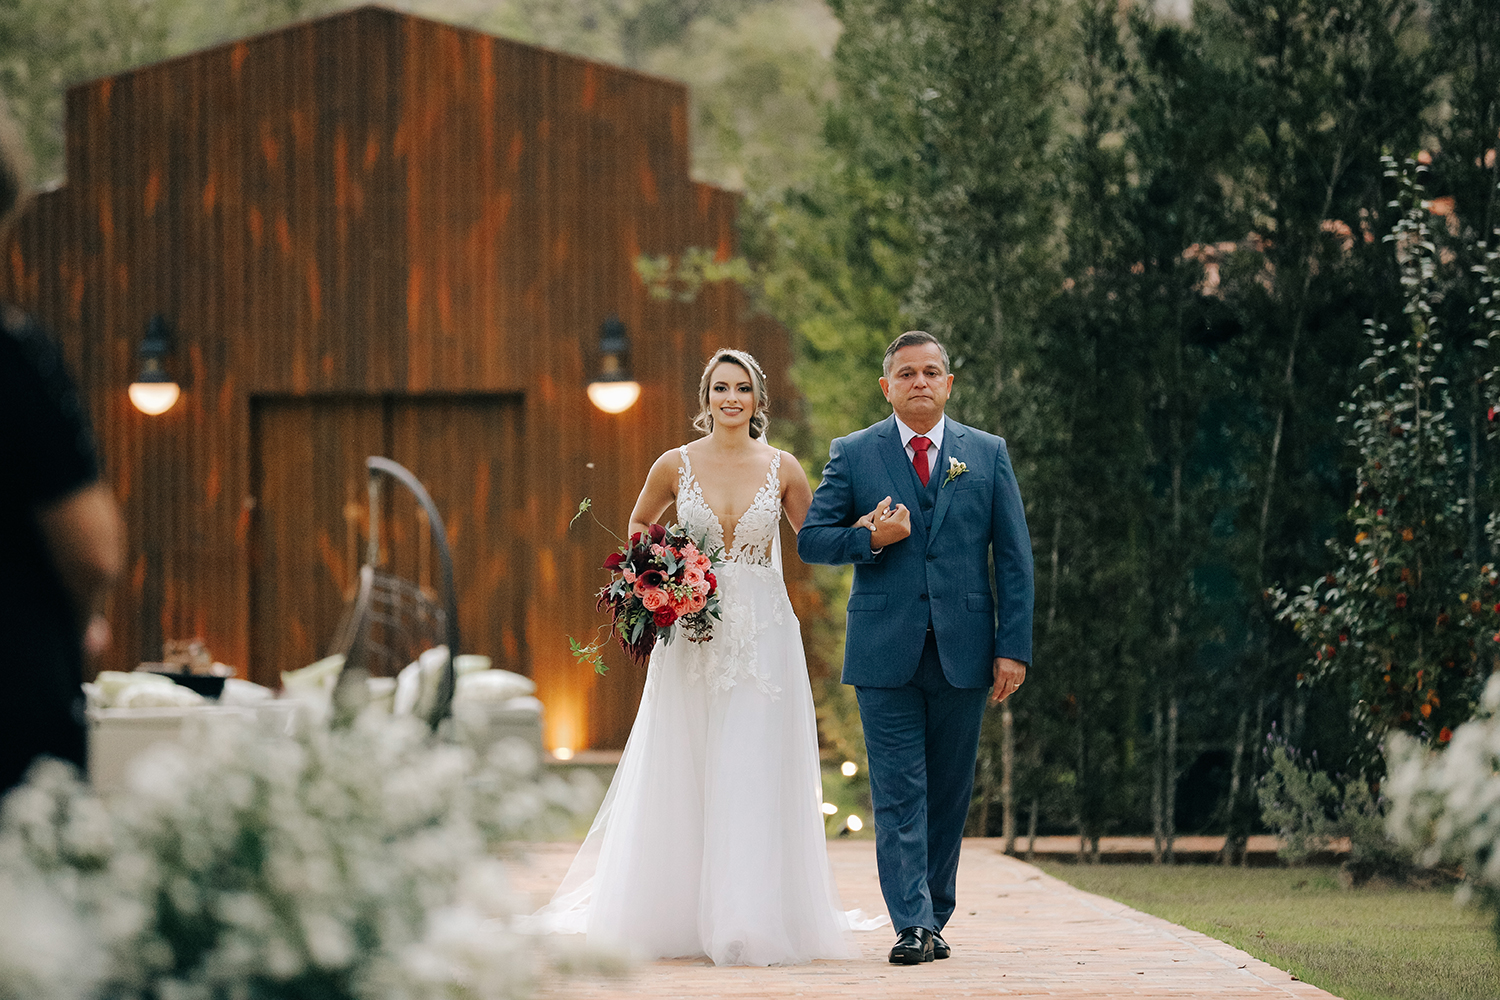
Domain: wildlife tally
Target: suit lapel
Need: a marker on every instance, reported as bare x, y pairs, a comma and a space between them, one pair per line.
902, 474
953, 447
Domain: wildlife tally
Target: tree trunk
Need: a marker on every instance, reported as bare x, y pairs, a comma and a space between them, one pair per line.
1478, 401
1007, 777
1031, 829
1236, 773
1158, 826
1260, 709
1169, 809
1080, 790
981, 826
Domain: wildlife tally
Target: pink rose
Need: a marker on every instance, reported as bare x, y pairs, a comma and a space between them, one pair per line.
702, 563
697, 604
654, 599
629, 575
701, 589
692, 576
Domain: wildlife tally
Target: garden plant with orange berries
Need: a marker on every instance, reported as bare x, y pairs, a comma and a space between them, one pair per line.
1406, 617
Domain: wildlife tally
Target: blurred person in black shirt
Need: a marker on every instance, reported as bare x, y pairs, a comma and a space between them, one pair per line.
60, 530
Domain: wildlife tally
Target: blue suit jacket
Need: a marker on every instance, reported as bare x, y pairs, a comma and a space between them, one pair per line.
941, 574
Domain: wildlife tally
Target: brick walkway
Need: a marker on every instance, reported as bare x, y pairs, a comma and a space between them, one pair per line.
1018, 933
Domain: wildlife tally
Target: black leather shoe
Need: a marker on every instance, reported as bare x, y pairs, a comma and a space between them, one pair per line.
940, 947
913, 947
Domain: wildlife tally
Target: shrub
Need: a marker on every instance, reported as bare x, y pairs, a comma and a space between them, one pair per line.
1311, 809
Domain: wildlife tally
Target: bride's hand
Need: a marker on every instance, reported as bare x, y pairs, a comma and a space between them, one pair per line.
887, 524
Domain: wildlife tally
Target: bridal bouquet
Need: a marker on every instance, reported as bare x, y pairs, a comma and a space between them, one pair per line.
664, 581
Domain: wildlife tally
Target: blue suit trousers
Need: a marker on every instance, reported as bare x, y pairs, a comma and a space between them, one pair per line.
922, 738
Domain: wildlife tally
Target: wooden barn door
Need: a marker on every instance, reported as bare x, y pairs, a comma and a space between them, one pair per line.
311, 518
466, 451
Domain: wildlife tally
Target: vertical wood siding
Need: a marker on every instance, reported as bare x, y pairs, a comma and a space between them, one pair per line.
358, 213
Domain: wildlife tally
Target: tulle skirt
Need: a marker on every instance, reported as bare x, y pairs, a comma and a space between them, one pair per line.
710, 840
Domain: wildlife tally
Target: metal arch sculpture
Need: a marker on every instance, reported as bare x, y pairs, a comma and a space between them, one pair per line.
407, 618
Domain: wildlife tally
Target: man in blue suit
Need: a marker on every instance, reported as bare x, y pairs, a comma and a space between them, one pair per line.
919, 503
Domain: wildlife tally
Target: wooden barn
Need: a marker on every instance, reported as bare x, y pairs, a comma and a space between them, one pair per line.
377, 234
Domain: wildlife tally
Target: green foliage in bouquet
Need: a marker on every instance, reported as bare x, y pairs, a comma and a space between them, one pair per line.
359, 863
1406, 617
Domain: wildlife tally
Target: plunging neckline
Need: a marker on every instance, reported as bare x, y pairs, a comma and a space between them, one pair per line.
768, 485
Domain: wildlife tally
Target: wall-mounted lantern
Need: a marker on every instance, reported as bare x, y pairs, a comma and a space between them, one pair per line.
154, 391
613, 390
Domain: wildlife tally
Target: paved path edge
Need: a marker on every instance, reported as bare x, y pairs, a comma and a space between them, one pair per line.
1264, 971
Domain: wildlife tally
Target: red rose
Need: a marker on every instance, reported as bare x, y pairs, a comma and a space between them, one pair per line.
1445, 734
713, 581
663, 617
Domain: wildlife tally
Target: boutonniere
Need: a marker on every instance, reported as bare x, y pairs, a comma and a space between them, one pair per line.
955, 469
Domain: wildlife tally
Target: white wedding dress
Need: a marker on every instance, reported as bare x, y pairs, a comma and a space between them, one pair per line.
710, 840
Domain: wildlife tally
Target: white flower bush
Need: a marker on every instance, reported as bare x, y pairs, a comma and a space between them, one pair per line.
359, 863
1446, 804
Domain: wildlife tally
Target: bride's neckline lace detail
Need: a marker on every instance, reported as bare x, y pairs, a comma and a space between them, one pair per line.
752, 595
756, 529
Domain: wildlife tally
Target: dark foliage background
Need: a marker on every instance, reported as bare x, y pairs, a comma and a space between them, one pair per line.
1151, 242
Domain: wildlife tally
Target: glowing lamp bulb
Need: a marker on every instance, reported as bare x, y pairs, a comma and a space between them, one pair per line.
614, 397
854, 823
849, 768
563, 753
829, 809
154, 398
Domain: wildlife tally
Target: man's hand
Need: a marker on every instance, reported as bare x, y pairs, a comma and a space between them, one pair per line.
887, 524
1009, 675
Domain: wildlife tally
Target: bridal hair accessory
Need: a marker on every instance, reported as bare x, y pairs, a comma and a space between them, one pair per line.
955, 469
663, 582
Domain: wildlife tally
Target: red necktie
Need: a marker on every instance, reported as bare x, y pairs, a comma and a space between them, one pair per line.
919, 446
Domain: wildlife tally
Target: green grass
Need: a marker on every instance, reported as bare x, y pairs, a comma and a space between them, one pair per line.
1372, 943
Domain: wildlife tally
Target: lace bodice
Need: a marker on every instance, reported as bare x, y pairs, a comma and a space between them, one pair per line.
756, 531
752, 594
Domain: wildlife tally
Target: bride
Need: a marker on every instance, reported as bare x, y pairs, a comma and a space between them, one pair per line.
710, 840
